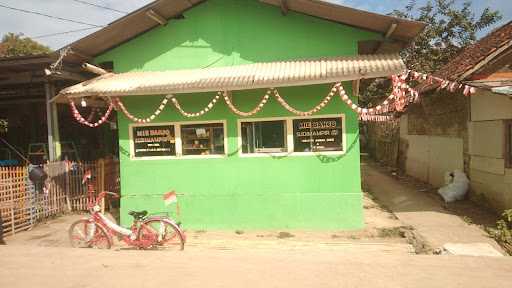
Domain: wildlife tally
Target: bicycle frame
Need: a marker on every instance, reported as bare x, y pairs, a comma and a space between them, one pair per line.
129, 236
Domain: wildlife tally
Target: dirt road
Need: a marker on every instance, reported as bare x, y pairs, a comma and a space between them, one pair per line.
32, 266
423, 211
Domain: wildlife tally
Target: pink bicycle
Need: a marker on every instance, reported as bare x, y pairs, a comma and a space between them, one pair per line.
97, 231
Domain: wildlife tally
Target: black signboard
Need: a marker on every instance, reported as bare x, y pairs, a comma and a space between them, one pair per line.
154, 141
317, 134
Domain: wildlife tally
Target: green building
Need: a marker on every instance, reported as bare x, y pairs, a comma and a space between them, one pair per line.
276, 168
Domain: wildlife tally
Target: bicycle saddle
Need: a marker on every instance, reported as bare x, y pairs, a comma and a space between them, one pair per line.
138, 214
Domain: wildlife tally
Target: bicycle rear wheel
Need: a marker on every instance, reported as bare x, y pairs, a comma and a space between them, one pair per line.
86, 234
163, 234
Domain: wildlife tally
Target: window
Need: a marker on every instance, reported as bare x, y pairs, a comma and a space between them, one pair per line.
155, 140
264, 136
508, 143
203, 139
317, 134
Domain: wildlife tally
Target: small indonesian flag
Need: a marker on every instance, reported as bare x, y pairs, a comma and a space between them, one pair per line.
170, 197
87, 176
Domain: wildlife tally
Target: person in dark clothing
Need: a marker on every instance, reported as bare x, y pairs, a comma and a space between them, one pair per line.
2, 242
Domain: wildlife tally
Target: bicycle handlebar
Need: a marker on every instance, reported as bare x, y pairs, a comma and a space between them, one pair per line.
101, 196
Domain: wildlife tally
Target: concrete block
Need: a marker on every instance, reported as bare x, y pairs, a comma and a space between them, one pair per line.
430, 157
508, 176
490, 106
417, 162
490, 165
446, 154
404, 123
493, 187
486, 138
471, 249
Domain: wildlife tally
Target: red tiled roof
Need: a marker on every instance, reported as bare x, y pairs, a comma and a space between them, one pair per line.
475, 53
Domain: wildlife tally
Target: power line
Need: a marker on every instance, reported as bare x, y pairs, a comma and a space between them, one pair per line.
50, 16
61, 33
99, 6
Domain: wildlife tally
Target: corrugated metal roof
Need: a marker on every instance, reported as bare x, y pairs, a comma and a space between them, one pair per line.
242, 77
138, 22
406, 29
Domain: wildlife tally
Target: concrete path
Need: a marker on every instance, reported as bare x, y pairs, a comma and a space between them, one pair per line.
430, 219
56, 267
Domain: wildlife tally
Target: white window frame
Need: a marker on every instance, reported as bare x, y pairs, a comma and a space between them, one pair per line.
240, 143
290, 143
224, 127
178, 143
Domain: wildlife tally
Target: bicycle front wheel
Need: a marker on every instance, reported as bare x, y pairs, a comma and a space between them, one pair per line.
163, 234
86, 234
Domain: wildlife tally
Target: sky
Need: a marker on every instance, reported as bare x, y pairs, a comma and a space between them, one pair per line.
35, 25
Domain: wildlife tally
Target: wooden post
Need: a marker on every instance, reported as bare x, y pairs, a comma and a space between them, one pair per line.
12, 201
66, 171
101, 181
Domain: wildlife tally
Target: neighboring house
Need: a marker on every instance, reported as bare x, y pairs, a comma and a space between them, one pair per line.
25, 84
273, 169
448, 131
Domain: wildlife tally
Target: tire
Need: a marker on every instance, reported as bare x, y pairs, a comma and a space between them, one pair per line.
161, 234
80, 235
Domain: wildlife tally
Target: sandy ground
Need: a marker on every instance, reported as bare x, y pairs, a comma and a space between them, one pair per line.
415, 204
33, 266
380, 234
377, 256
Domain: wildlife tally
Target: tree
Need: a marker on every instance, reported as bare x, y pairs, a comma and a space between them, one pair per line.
450, 28
16, 45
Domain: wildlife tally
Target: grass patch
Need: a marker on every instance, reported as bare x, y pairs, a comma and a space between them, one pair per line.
394, 232
284, 235
468, 220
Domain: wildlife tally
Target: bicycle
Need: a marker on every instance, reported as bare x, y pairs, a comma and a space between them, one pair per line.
146, 232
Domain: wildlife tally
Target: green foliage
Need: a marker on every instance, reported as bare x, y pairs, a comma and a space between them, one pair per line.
17, 45
503, 231
450, 28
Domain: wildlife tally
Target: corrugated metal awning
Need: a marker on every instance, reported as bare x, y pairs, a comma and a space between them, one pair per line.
242, 77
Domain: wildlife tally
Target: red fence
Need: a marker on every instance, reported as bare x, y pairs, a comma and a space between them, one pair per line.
22, 204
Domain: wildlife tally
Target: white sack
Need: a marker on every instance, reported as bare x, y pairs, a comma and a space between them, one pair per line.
456, 187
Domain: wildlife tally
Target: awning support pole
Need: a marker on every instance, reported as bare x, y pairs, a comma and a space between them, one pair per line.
52, 123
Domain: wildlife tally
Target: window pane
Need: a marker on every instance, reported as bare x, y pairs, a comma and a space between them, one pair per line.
264, 137
203, 139
153, 141
319, 134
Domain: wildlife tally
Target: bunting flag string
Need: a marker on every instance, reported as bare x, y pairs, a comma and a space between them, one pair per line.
401, 96
317, 108
197, 114
120, 106
256, 109
87, 122
451, 86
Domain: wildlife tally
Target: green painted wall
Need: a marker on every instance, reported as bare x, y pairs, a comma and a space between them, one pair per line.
311, 192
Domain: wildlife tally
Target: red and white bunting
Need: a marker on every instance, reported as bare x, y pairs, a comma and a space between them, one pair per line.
401, 96
87, 122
